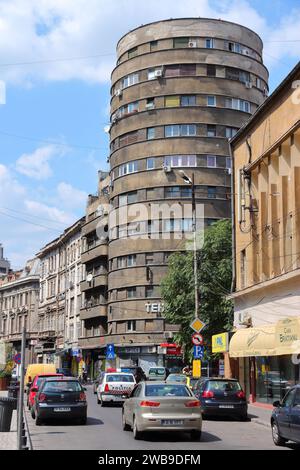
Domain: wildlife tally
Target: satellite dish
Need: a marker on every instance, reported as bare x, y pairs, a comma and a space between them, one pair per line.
89, 278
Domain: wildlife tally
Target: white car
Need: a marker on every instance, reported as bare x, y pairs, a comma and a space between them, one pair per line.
114, 387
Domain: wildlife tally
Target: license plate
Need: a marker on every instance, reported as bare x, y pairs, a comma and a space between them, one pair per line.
62, 409
172, 422
226, 406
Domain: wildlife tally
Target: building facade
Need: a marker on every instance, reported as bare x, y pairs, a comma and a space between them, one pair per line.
267, 245
60, 300
180, 89
4, 263
94, 259
19, 297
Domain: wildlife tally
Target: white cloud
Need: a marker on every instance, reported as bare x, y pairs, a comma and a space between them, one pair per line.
42, 30
48, 212
36, 165
71, 197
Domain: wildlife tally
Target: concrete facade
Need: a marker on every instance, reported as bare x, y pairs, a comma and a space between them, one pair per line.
4, 263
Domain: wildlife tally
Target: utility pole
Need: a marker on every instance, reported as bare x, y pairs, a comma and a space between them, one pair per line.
21, 391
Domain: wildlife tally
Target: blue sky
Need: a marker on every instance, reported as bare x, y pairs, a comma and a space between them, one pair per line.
52, 139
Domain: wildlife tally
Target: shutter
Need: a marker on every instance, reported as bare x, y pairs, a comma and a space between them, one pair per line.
172, 70
188, 69
172, 101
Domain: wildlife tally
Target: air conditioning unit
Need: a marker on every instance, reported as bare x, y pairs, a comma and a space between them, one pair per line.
248, 85
168, 335
167, 168
118, 92
193, 44
105, 212
245, 51
158, 73
149, 105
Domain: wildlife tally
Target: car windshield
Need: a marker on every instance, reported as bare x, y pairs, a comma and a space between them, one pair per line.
167, 391
223, 386
157, 371
62, 386
177, 378
120, 378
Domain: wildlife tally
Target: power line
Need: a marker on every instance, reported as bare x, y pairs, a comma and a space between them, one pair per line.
63, 59
30, 222
33, 216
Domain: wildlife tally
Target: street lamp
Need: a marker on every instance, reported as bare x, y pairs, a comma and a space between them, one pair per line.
191, 182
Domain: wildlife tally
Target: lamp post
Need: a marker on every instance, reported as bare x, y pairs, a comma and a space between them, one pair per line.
191, 182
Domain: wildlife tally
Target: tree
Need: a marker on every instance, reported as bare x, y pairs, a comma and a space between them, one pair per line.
214, 282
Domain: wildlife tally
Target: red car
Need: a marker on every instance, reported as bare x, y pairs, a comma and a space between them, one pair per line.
35, 387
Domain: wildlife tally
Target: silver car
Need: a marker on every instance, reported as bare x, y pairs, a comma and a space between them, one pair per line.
161, 406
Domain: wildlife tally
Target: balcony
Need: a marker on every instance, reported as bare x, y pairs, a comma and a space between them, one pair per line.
95, 311
47, 334
94, 251
97, 281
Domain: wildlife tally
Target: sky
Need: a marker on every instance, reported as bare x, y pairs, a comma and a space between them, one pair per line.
56, 57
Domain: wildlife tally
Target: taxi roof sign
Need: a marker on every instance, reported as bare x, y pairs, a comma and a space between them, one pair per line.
197, 325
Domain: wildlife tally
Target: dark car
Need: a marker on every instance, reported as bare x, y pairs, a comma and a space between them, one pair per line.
222, 397
65, 372
285, 419
60, 398
137, 372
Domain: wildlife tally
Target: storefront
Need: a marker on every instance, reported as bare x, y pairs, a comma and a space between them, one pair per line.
269, 358
92, 360
142, 356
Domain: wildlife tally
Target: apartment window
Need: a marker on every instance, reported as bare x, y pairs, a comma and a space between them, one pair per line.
131, 325
123, 200
153, 46
180, 160
172, 101
150, 163
129, 138
131, 260
129, 80
132, 107
150, 104
230, 132
132, 52
180, 70
178, 192
132, 197
180, 130
233, 46
211, 130
187, 225
211, 70
127, 168
149, 291
209, 43
228, 163
172, 131
258, 82
131, 292
150, 133
235, 103
211, 161
211, 101
121, 263
149, 258
150, 193
151, 73
211, 192
188, 100
179, 43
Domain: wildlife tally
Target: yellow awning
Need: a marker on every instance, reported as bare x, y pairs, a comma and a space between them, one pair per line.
267, 340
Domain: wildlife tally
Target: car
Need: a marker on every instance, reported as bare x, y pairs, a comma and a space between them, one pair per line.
222, 397
60, 398
285, 418
64, 371
114, 387
158, 373
137, 371
36, 369
160, 406
97, 381
35, 387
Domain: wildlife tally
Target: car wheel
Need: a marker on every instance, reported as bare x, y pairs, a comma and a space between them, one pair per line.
38, 421
196, 435
136, 432
277, 439
125, 426
32, 413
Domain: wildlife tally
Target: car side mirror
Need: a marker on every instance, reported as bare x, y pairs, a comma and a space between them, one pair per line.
277, 404
85, 389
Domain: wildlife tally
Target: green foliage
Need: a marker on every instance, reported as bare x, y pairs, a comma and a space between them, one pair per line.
214, 282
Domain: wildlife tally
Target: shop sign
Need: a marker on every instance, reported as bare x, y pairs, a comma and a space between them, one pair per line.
287, 331
76, 352
133, 350
197, 368
154, 307
220, 343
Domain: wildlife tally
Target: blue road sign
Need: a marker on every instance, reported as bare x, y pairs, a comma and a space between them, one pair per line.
110, 351
198, 352
17, 358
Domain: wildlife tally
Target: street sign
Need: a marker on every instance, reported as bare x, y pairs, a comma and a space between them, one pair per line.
17, 358
197, 339
110, 351
197, 325
197, 368
198, 352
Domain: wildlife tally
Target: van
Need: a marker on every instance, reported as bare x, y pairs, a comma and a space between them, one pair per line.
37, 369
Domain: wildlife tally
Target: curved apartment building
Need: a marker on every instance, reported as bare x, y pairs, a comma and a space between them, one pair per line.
180, 89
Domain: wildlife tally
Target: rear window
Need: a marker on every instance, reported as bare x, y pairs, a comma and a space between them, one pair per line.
167, 391
61, 386
157, 371
177, 378
223, 386
120, 378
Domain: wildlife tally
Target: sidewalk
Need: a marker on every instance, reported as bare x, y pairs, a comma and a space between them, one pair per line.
260, 415
8, 440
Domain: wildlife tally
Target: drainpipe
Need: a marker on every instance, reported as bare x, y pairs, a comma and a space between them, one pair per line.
233, 282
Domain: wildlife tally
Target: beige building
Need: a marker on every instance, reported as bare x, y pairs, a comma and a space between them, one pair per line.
19, 297
60, 300
180, 89
266, 154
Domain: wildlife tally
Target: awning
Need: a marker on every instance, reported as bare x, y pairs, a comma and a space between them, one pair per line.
278, 339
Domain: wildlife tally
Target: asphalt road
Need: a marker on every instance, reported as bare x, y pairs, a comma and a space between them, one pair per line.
103, 431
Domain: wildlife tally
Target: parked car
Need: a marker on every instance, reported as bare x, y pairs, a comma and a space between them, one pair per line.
285, 419
97, 381
158, 373
114, 387
64, 371
137, 371
60, 397
160, 406
223, 397
34, 388
36, 369
180, 378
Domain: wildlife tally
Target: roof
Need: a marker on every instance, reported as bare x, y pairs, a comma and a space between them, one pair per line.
265, 106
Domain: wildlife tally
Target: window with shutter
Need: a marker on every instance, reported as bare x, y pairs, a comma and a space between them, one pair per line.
172, 101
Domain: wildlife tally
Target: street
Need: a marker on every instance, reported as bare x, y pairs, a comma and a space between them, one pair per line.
104, 432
